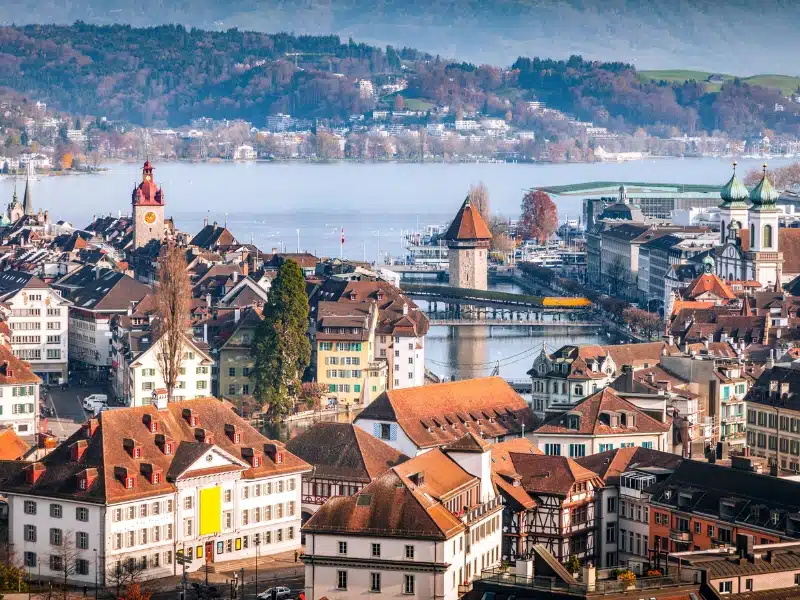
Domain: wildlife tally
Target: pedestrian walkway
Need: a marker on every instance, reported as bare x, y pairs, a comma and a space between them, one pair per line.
265, 563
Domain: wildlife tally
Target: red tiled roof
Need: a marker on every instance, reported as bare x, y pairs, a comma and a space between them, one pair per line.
550, 475
589, 410
434, 415
11, 445
468, 225
789, 245
709, 283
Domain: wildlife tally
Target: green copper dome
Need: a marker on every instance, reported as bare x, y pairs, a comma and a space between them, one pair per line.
764, 196
734, 193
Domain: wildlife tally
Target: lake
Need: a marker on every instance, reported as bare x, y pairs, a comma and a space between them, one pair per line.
269, 202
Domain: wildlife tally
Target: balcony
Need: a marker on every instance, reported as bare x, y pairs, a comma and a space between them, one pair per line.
680, 536
480, 511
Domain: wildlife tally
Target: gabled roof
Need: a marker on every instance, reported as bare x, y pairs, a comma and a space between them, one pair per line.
106, 453
709, 283
469, 442
12, 282
435, 415
100, 289
468, 225
211, 236
11, 445
344, 452
591, 421
550, 475
504, 476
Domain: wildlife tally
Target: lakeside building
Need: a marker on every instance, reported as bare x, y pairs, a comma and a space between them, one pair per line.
369, 337
601, 422
39, 320
423, 529
134, 486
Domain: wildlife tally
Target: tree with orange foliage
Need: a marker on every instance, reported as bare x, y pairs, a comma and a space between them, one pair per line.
135, 592
66, 161
539, 217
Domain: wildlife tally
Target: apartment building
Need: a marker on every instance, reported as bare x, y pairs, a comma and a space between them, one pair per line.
773, 417
234, 355
623, 503
421, 530
571, 373
136, 485
136, 374
39, 321
370, 325
96, 294
19, 394
603, 421
703, 505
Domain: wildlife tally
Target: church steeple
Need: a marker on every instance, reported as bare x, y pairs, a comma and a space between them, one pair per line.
27, 202
734, 194
764, 195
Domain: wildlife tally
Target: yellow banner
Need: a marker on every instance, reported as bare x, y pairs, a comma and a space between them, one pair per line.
210, 510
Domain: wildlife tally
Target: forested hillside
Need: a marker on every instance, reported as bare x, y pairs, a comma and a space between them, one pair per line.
168, 75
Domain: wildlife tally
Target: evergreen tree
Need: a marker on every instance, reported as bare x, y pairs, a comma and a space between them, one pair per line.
281, 351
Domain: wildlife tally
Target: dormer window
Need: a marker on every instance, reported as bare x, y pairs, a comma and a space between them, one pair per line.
129, 483
82, 484
168, 448
256, 462
133, 448
573, 422
232, 433
156, 477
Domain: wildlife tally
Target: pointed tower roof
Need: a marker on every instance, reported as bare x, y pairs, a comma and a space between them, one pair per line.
734, 193
764, 196
27, 203
468, 225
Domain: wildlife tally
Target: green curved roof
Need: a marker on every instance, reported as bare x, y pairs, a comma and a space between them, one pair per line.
764, 196
734, 194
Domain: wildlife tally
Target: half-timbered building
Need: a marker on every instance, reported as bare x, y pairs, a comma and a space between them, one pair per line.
562, 518
345, 459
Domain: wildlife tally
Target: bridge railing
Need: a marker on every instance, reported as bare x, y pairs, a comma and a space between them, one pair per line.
544, 302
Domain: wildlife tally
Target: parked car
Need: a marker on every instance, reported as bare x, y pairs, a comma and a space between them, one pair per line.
94, 401
282, 593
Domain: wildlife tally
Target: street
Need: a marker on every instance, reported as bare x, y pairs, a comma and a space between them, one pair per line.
292, 577
68, 413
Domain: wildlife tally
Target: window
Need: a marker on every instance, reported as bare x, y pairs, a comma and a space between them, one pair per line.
55, 537
410, 552
577, 450
647, 445
408, 584
611, 505
187, 502
697, 527
725, 587
228, 495
82, 540
30, 559
385, 431
82, 514
375, 582
552, 449
710, 531
30, 533
341, 580
232, 372
376, 550
30, 507
342, 547
748, 584
56, 563
143, 510
55, 511
611, 533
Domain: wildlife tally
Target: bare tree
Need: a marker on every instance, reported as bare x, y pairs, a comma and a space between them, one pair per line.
617, 276
479, 198
172, 303
126, 572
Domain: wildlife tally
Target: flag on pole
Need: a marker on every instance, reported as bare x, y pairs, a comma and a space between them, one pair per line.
343, 235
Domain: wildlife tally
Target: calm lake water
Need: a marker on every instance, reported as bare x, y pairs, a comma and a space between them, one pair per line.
268, 202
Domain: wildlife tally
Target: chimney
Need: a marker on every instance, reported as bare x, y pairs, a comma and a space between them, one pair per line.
97, 271
208, 300
771, 361
671, 339
33, 472
205, 333
237, 314
405, 308
235, 276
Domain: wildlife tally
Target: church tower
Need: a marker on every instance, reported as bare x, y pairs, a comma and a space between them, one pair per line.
468, 240
733, 210
148, 209
764, 256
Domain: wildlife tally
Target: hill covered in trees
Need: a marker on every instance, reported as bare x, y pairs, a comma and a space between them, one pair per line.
167, 75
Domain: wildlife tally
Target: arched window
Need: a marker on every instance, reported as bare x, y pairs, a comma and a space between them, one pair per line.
767, 236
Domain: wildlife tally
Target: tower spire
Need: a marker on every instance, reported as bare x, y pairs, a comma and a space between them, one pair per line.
27, 203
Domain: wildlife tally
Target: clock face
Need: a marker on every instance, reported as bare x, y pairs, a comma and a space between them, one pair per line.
147, 177
150, 218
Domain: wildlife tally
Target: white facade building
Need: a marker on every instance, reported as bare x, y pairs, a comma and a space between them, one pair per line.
38, 322
131, 489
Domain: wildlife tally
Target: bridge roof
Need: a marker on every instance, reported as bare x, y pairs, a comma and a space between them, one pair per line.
468, 225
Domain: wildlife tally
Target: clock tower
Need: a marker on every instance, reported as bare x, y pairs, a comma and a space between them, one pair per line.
148, 209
